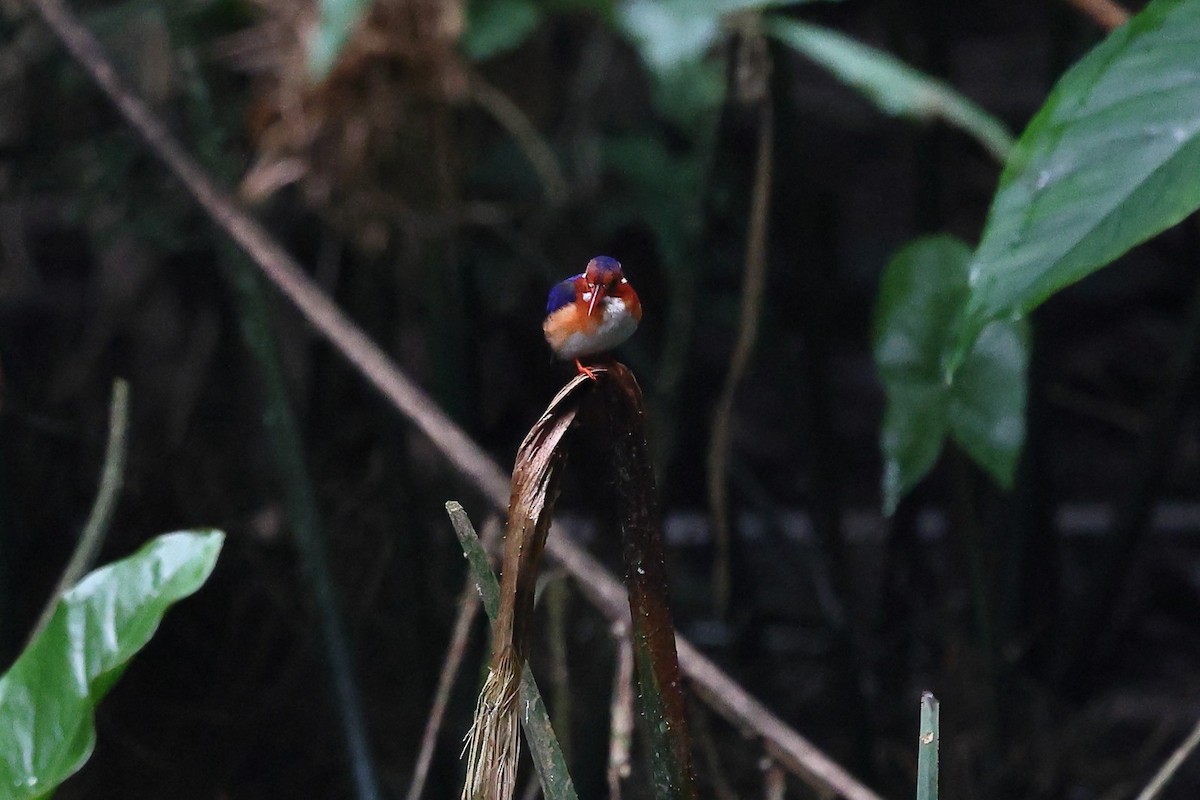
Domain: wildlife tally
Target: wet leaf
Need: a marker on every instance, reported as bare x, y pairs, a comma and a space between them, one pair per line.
48, 697
895, 87
1111, 159
923, 291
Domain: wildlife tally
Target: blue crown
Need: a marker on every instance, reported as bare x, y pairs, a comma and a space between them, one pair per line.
607, 263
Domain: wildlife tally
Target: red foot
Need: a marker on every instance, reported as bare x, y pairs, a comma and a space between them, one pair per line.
584, 370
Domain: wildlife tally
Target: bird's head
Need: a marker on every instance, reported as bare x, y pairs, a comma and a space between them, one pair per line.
602, 276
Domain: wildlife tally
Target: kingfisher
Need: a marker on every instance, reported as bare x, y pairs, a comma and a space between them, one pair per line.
591, 312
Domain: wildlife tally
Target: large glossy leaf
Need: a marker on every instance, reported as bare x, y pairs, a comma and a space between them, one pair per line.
922, 293
48, 697
1112, 158
892, 85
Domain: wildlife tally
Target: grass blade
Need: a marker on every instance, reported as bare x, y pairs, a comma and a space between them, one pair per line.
927, 749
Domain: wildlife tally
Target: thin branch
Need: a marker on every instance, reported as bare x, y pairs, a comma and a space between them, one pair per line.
468, 609
754, 283
604, 591
1108, 14
775, 782
712, 759
284, 442
1167, 771
620, 712
112, 476
518, 125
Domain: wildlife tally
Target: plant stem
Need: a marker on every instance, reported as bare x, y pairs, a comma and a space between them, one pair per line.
548, 758
754, 284
284, 438
1168, 769
112, 476
928, 744
654, 652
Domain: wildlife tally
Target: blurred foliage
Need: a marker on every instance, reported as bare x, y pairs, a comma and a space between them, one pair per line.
498, 26
337, 22
893, 85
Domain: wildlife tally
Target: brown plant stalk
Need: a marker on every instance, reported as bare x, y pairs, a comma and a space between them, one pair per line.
493, 744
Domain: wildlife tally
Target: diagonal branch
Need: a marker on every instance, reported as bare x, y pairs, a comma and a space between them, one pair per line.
602, 589
1108, 14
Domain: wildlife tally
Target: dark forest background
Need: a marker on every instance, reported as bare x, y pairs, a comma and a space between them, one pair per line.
458, 160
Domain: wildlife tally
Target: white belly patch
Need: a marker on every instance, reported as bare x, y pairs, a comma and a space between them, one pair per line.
615, 327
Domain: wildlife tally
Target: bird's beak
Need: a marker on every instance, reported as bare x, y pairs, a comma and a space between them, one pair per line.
597, 293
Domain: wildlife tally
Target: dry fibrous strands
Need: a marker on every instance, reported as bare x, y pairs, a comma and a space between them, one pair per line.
493, 743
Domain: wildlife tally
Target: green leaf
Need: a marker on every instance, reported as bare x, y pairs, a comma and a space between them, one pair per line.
670, 33
338, 20
982, 408
987, 399
48, 697
667, 35
673, 37
497, 26
1111, 159
928, 743
896, 88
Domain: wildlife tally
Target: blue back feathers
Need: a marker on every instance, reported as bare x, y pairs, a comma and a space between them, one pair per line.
561, 294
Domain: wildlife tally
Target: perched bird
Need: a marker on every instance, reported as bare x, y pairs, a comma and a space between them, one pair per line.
591, 312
